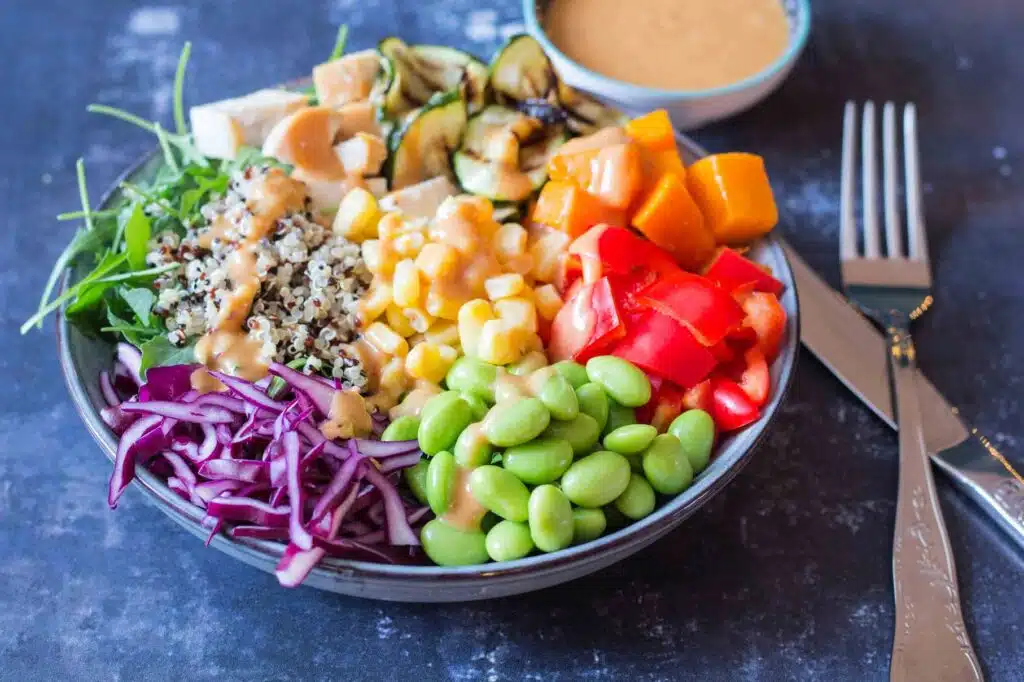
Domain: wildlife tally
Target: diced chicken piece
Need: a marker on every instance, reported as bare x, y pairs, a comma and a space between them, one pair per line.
346, 79
359, 117
221, 128
362, 154
378, 186
420, 200
326, 195
304, 139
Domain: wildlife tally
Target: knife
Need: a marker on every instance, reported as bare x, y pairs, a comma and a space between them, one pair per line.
852, 349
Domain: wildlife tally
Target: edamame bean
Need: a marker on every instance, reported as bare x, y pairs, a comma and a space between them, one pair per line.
637, 500
559, 397
403, 428
624, 382
530, 362
587, 525
551, 523
508, 541
471, 375
517, 422
442, 420
541, 460
666, 465
476, 405
440, 483
596, 479
594, 401
449, 546
695, 430
500, 491
582, 433
630, 439
416, 478
618, 416
472, 449
573, 371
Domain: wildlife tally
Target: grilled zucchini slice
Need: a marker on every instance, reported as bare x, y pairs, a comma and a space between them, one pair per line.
421, 147
418, 72
520, 71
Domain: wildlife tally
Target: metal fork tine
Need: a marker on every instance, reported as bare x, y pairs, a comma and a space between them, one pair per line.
890, 168
918, 241
869, 188
847, 225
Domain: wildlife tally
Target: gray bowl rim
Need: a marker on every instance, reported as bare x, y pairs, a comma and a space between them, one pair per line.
800, 29
728, 460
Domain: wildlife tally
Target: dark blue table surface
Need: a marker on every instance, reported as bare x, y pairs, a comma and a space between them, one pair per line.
784, 576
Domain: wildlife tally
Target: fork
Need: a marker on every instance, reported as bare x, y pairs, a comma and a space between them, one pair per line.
931, 641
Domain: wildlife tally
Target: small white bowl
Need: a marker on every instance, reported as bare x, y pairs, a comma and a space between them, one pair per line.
687, 108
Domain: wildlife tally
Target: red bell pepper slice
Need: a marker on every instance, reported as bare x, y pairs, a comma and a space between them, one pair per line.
587, 324
695, 301
766, 316
661, 346
732, 271
731, 408
665, 405
755, 379
698, 397
607, 250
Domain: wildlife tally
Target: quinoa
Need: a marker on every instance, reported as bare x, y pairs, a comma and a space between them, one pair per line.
311, 281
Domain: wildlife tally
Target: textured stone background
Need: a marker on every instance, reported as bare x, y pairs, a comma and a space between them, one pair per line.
784, 576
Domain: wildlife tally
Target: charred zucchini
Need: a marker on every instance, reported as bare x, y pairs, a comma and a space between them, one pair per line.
520, 72
421, 148
418, 72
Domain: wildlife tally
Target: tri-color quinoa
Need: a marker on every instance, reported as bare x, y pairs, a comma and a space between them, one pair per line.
311, 281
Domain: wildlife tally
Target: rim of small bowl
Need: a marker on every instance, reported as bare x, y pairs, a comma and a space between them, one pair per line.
626, 540
797, 40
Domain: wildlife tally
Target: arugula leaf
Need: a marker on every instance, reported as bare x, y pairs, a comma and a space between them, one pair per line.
137, 231
339, 42
179, 90
140, 301
159, 352
134, 334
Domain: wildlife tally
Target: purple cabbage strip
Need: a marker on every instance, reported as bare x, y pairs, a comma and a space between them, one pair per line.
259, 532
246, 470
107, 389
142, 437
207, 490
185, 413
400, 462
249, 392
131, 358
399, 531
338, 487
319, 393
231, 508
296, 496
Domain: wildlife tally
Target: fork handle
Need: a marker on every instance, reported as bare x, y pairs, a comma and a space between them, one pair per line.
931, 641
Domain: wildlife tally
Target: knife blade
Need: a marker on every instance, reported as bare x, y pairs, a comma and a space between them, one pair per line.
855, 352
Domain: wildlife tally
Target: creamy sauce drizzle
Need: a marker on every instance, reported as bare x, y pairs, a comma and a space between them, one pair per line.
465, 226
348, 417
465, 513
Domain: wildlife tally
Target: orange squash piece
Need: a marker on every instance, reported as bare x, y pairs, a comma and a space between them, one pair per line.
616, 175
575, 167
566, 207
733, 193
670, 218
653, 131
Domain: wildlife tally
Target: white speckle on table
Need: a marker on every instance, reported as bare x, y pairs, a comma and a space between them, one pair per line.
506, 31
385, 627
151, 21
999, 153
964, 63
1005, 169
47, 178
482, 27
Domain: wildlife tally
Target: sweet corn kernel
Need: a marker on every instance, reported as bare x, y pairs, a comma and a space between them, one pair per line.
443, 332
393, 378
518, 312
416, 339
371, 255
504, 286
522, 264
533, 342
547, 253
437, 260
357, 216
548, 301
386, 340
375, 302
442, 306
408, 245
419, 319
472, 317
406, 283
448, 353
500, 342
390, 226
510, 241
397, 320
425, 361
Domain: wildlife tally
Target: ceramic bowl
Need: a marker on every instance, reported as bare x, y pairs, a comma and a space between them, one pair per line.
687, 108
82, 359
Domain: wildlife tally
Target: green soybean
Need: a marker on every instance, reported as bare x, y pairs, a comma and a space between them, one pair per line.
637, 500
499, 491
531, 362
573, 371
551, 522
695, 430
517, 422
449, 546
509, 541
477, 406
440, 483
559, 397
442, 420
624, 382
470, 375
471, 448
596, 479
582, 433
630, 439
618, 416
666, 465
403, 428
594, 401
541, 460
416, 478
587, 525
